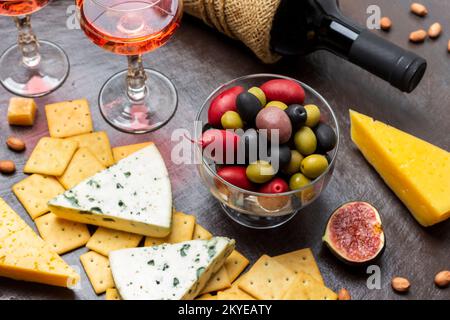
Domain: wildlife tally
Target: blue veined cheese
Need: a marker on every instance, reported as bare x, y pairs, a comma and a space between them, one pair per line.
169, 271
134, 196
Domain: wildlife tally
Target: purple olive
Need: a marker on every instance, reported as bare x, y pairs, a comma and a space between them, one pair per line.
271, 119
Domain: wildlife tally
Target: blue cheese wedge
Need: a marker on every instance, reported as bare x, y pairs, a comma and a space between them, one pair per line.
169, 271
134, 196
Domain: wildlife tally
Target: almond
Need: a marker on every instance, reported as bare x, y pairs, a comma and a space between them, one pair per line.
442, 279
418, 36
385, 24
16, 144
419, 9
400, 284
343, 294
435, 30
7, 167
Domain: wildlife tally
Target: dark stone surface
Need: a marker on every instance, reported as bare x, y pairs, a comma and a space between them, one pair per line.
198, 60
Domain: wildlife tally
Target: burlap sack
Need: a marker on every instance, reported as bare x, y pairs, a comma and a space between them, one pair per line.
249, 21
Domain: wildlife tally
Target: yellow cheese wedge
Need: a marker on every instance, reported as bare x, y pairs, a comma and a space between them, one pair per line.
25, 256
417, 171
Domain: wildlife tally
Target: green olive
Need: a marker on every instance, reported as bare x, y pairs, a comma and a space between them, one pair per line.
257, 92
305, 141
313, 115
314, 165
277, 104
298, 181
294, 165
260, 172
231, 120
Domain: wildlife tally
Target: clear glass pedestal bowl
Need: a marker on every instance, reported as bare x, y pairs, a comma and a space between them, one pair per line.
260, 210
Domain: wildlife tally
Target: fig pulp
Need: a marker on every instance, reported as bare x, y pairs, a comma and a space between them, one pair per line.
354, 233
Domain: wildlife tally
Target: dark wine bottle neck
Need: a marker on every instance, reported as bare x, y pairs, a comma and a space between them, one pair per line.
304, 26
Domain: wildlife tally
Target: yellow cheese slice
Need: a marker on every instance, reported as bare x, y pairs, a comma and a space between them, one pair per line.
417, 171
25, 256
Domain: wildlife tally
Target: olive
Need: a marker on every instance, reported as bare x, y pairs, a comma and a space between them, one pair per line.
248, 147
236, 176
285, 90
257, 92
231, 120
305, 141
260, 172
282, 155
226, 101
277, 104
298, 181
313, 113
248, 106
206, 127
297, 114
275, 121
294, 165
326, 137
314, 165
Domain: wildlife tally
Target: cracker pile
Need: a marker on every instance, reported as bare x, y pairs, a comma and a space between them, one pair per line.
73, 153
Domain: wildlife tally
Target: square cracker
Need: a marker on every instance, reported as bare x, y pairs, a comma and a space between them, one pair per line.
219, 281
98, 271
106, 240
68, 118
267, 279
62, 235
305, 287
112, 294
235, 264
201, 233
233, 293
50, 156
183, 226
124, 151
301, 261
98, 144
82, 166
35, 191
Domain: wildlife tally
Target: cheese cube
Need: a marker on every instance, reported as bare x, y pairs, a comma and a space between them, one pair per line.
21, 111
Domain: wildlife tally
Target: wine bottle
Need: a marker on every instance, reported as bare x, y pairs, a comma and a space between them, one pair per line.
304, 26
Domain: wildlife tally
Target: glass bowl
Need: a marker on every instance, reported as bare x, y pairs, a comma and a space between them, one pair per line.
261, 210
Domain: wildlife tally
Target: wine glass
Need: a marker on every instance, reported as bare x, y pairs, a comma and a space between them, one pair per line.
137, 100
30, 68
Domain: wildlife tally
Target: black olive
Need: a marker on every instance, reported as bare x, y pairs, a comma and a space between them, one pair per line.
206, 127
281, 155
248, 106
326, 138
297, 114
284, 155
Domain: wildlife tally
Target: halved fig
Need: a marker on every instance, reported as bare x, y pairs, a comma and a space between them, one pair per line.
354, 233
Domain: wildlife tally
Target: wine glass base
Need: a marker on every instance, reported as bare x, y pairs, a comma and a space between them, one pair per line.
257, 222
147, 115
31, 82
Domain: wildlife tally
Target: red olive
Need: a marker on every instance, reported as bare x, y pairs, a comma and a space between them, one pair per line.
217, 144
284, 90
236, 176
276, 185
226, 101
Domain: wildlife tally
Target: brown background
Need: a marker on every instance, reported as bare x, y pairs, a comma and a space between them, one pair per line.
198, 60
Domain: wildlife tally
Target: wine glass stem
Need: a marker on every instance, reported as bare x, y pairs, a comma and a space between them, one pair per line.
27, 41
136, 79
